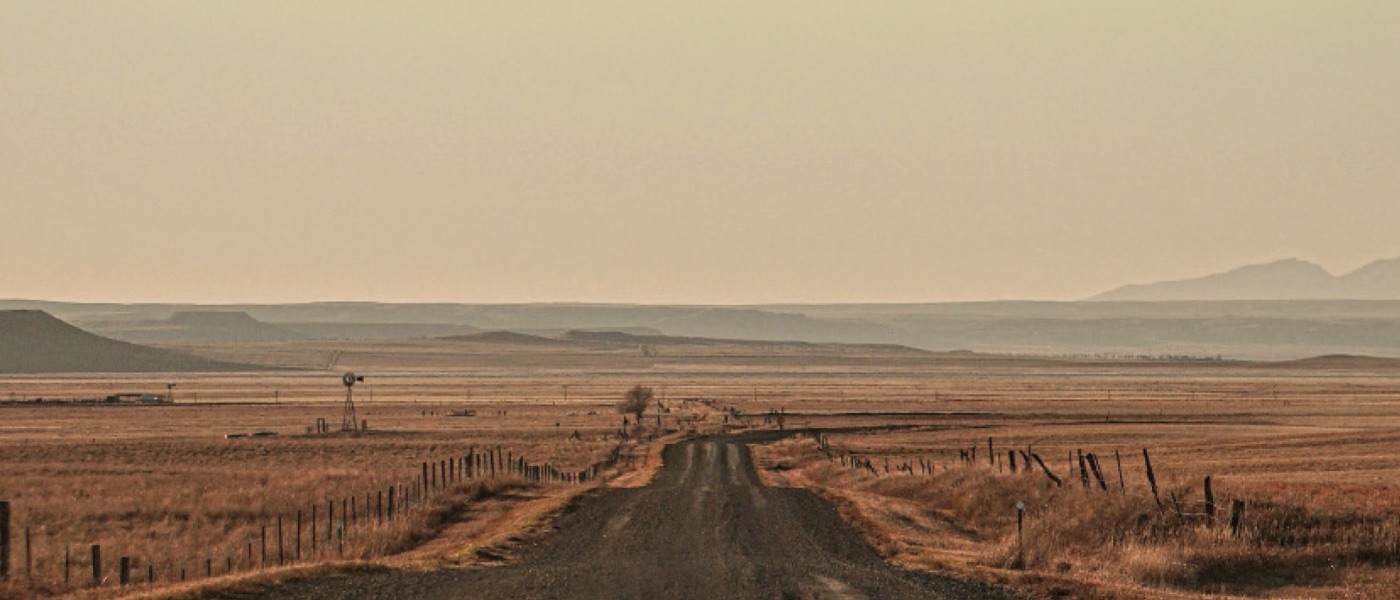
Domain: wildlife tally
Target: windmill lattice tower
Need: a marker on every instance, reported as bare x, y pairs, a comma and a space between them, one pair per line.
349, 421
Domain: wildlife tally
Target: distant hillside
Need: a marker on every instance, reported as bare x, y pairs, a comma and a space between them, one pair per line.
1290, 279
585, 338
1252, 329
375, 331
33, 341
237, 327
1342, 362
193, 327
618, 338
766, 325
504, 337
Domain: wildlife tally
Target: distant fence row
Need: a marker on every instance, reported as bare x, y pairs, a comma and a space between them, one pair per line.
318, 532
1090, 470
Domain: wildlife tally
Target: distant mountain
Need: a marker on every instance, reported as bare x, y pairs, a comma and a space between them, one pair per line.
33, 341
1379, 280
1289, 279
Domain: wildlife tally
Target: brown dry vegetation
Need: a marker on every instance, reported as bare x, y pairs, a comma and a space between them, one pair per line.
1315, 453
1318, 469
160, 484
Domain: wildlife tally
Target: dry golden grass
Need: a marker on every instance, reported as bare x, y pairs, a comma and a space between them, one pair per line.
1316, 454
1322, 517
161, 485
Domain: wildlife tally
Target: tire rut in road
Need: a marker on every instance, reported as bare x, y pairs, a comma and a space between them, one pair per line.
705, 529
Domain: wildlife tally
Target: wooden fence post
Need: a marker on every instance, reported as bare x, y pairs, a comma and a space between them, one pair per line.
298, 542
28, 557
281, 558
4, 540
1151, 478
1046, 469
1236, 516
1210, 500
391, 503
1098, 472
313, 529
262, 541
96, 564
1119, 458
1083, 471
124, 572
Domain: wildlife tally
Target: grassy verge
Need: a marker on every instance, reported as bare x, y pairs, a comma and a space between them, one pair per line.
1092, 544
474, 524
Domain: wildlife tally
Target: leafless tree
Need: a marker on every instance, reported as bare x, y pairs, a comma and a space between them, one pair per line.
636, 401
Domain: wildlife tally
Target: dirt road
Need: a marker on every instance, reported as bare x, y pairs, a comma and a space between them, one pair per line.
706, 528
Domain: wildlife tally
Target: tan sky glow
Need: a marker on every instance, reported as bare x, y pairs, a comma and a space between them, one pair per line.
706, 152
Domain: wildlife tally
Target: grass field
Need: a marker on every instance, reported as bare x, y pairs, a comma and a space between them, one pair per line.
1315, 459
163, 485
1314, 453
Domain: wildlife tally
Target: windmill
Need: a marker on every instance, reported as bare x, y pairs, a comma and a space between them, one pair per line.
349, 422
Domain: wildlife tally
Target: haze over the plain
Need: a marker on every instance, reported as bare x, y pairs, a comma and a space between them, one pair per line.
707, 152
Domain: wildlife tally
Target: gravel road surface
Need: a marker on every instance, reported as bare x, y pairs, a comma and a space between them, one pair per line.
706, 528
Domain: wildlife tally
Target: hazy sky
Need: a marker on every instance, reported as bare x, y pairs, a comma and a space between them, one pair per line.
676, 151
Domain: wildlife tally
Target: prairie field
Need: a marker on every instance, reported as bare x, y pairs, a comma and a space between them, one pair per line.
1313, 458
1313, 453
163, 485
